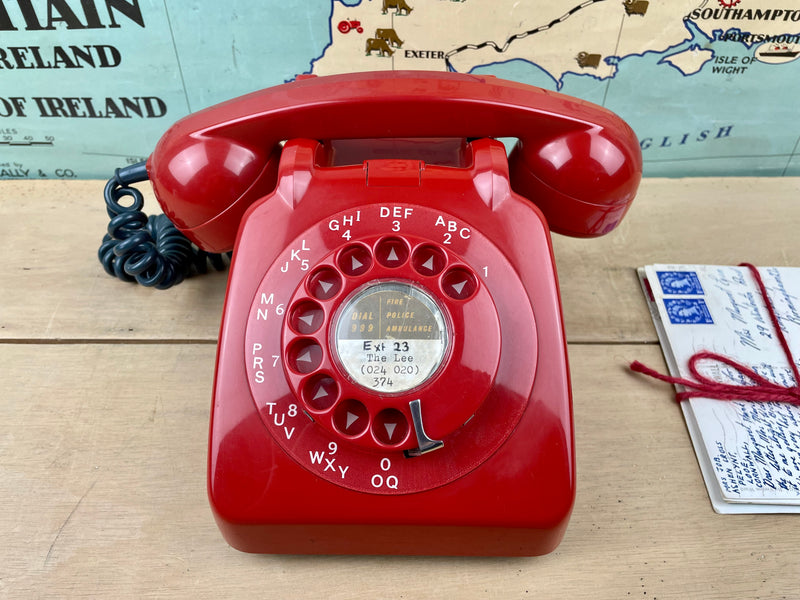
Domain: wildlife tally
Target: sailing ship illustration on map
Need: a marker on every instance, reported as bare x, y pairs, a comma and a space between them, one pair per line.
775, 53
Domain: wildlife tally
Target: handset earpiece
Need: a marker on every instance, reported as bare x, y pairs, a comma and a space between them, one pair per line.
583, 181
205, 184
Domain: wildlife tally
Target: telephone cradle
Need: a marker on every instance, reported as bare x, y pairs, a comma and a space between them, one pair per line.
392, 371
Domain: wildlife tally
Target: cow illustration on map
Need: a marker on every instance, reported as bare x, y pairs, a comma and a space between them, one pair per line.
390, 35
636, 7
400, 6
588, 60
382, 47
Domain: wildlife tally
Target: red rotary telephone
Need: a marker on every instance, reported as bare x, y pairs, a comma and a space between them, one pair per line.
392, 371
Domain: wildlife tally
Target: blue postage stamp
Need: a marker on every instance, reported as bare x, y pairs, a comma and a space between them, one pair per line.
688, 311
679, 282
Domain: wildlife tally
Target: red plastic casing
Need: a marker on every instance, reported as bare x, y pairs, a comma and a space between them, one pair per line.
303, 458
504, 482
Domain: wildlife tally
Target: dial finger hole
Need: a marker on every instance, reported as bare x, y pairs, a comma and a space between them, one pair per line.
390, 427
320, 392
428, 260
459, 284
304, 356
355, 260
324, 284
391, 252
306, 317
351, 418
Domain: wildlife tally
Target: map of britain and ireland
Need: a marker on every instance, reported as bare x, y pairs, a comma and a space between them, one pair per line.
706, 84
709, 86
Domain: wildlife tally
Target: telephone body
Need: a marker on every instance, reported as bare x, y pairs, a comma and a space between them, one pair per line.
392, 372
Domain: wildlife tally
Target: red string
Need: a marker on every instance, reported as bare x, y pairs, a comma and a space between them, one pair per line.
762, 390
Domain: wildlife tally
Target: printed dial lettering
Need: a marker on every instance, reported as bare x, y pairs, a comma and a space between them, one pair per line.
354, 325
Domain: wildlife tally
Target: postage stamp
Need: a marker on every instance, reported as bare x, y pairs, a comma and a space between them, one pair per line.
688, 311
680, 282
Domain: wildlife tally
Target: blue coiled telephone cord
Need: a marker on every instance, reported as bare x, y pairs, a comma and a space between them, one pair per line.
147, 250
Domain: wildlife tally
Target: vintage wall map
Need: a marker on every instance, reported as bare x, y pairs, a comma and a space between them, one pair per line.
709, 86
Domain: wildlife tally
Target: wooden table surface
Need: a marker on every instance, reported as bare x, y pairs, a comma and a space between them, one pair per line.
106, 397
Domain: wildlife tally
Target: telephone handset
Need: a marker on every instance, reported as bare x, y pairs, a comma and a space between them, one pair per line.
392, 371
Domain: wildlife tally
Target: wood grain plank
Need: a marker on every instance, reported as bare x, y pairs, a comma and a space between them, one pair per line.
694, 221
103, 457
54, 288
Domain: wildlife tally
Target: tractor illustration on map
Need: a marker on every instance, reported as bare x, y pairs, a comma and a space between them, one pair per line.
382, 46
586, 60
636, 7
348, 25
400, 6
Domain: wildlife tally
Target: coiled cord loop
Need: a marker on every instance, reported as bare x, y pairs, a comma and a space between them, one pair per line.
148, 250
